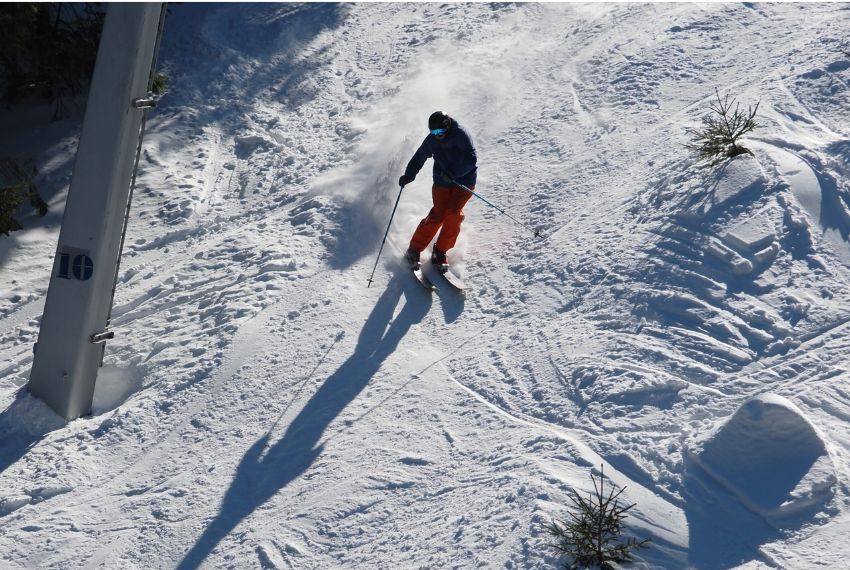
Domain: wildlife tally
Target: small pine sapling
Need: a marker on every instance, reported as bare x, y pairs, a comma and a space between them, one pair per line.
159, 84
17, 184
592, 535
721, 129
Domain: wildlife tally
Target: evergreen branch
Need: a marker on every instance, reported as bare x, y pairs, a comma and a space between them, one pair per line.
592, 534
718, 138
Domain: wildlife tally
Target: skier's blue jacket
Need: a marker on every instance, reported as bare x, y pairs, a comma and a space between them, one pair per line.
454, 158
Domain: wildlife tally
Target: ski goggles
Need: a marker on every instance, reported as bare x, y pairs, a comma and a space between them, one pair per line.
438, 132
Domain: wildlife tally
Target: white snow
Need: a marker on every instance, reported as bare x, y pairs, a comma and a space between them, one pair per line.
260, 407
771, 458
752, 234
738, 177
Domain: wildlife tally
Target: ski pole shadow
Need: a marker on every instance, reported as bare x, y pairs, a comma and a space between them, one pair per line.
268, 466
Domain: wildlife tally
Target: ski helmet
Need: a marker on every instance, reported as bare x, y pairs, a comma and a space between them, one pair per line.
439, 120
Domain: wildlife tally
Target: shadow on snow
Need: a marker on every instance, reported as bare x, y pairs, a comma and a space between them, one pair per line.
269, 466
23, 424
275, 35
723, 532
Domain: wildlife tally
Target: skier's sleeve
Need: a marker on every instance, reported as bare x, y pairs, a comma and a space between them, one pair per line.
469, 158
416, 163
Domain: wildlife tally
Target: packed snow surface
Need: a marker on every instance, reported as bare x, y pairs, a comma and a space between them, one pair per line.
686, 327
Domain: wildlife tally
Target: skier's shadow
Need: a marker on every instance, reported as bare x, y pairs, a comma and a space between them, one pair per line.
452, 303
269, 466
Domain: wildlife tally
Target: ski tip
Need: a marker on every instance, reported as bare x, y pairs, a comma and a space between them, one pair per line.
423, 280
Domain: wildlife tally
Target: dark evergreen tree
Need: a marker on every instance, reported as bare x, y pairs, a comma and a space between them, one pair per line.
48, 50
593, 534
17, 185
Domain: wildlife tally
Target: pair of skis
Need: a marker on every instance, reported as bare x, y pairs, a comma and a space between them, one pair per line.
423, 278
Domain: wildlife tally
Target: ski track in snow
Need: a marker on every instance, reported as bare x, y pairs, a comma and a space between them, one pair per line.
260, 407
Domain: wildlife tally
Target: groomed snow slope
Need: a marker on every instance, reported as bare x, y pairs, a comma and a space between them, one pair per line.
261, 407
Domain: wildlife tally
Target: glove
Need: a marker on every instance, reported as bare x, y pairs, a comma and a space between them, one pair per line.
404, 180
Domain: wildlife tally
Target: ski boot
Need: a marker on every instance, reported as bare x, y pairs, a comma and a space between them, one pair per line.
412, 259
439, 261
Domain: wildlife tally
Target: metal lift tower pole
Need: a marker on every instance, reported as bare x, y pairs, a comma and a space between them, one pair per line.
79, 297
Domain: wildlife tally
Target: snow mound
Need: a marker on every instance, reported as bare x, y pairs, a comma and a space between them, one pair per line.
751, 234
740, 176
772, 459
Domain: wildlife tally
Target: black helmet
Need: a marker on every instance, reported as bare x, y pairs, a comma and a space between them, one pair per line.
438, 120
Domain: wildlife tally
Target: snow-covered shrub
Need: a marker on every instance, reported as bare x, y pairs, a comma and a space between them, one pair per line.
721, 129
593, 534
17, 184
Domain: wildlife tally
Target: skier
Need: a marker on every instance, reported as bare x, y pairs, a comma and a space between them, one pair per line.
455, 162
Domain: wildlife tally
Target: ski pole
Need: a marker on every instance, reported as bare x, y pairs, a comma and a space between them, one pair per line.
489, 203
386, 233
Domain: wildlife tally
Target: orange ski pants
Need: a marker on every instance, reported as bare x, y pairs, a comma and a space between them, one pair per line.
447, 214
